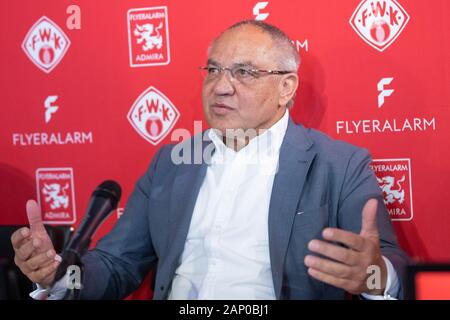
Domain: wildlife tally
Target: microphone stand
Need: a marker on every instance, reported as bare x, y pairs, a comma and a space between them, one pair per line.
103, 201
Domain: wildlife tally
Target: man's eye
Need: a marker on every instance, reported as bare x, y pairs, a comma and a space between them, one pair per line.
244, 73
213, 70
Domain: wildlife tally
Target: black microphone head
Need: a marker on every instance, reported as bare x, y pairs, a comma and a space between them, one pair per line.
104, 200
109, 189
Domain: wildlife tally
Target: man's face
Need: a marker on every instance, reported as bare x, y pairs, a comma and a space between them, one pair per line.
229, 104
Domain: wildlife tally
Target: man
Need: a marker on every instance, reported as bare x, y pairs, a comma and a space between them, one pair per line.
286, 213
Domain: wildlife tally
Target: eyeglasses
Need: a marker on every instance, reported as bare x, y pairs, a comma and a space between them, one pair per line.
242, 74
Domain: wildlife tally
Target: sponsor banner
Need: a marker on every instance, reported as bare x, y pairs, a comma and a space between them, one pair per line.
394, 179
379, 23
153, 115
56, 195
45, 44
148, 37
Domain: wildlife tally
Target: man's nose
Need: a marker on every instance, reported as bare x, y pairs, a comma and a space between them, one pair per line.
224, 85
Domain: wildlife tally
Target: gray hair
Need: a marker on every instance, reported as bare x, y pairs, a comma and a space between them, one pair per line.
289, 59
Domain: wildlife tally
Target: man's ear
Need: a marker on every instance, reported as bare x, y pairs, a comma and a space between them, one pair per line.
287, 88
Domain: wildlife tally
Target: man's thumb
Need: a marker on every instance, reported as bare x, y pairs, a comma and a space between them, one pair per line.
34, 217
369, 219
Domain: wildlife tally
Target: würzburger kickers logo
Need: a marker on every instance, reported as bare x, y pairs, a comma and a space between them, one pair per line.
379, 23
45, 44
153, 115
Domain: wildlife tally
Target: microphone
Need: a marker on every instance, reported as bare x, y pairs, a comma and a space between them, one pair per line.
103, 201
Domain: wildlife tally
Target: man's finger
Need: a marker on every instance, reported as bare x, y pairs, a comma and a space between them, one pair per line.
335, 252
26, 268
41, 274
41, 260
34, 217
27, 249
19, 237
329, 267
346, 284
369, 219
350, 239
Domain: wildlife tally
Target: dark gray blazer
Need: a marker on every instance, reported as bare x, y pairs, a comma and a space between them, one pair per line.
328, 180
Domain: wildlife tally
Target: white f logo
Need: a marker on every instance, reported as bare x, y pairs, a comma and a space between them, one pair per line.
49, 108
383, 92
257, 8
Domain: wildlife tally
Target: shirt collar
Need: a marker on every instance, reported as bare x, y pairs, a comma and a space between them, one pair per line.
268, 141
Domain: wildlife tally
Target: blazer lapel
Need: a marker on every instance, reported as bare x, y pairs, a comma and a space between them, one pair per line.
294, 163
185, 189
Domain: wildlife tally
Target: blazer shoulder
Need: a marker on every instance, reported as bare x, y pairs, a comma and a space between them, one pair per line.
162, 158
170, 156
334, 150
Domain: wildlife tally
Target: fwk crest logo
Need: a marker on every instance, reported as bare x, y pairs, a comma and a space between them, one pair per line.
45, 44
379, 23
153, 115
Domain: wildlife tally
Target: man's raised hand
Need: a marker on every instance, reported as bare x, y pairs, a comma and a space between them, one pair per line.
347, 267
34, 252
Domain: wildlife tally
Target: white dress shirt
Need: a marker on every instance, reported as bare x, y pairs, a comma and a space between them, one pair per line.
226, 254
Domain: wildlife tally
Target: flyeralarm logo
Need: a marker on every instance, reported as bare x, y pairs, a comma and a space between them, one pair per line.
45, 44
148, 36
394, 179
31, 139
378, 125
153, 115
379, 23
259, 6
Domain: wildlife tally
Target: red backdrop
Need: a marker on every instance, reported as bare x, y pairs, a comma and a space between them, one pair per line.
91, 89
